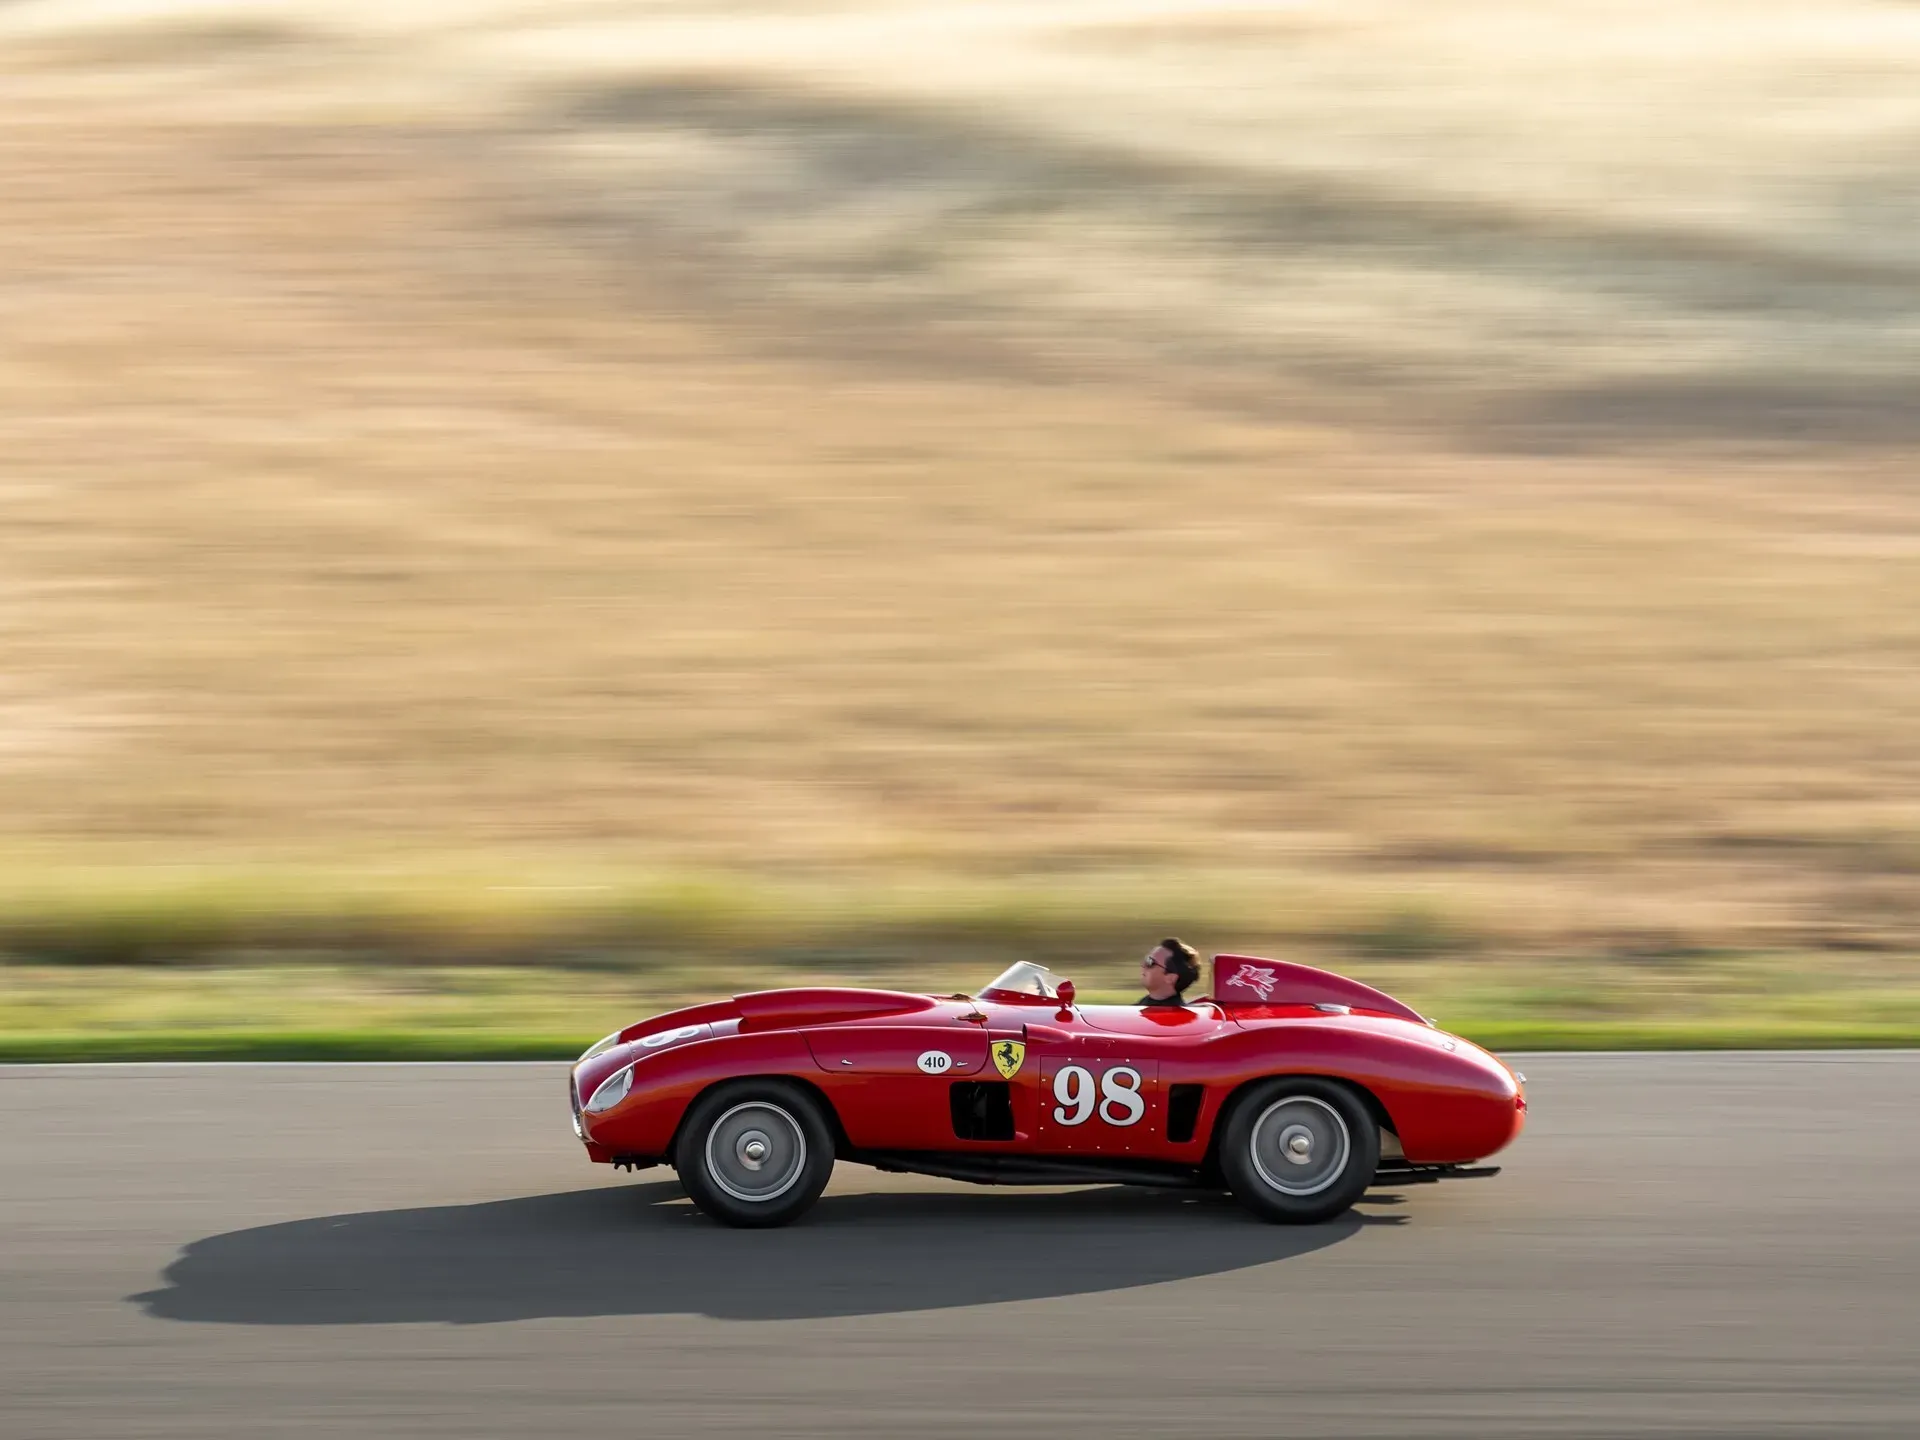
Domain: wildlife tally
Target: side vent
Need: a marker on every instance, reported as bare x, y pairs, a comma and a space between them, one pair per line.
982, 1109
1183, 1112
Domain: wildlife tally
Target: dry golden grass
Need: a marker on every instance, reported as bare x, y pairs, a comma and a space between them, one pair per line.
307, 1010
1348, 453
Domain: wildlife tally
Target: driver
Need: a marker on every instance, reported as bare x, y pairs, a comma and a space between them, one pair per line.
1172, 966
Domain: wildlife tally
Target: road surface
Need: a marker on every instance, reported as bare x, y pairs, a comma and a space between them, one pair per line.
1680, 1245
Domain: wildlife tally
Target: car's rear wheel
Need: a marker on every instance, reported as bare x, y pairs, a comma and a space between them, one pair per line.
754, 1152
1299, 1151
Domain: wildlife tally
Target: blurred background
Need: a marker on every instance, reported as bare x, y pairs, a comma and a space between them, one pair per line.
514, 514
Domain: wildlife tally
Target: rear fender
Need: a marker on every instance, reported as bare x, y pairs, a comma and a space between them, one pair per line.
1445, 1100
1224, 1116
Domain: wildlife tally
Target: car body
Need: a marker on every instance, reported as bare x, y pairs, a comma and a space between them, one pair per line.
1295, 1087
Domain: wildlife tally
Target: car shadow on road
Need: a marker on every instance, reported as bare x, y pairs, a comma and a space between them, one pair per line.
642, 1250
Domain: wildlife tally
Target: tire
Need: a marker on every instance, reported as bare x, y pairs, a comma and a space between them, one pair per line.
754, 1153
1297, 1152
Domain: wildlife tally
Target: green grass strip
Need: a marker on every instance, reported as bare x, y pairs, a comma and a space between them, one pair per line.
292, 1045
367, 1045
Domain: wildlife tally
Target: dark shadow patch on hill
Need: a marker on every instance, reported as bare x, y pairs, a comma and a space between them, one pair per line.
835, 224
1757, 410
632, 1251
838, 145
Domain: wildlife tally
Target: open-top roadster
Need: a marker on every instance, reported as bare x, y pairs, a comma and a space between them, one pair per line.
1293, 1087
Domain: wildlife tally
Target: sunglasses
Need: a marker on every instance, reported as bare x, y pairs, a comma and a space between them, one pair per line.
1151, 962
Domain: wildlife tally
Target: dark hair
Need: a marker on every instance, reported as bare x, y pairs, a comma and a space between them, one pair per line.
1184, 963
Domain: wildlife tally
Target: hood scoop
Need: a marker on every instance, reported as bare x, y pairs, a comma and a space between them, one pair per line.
785, 1009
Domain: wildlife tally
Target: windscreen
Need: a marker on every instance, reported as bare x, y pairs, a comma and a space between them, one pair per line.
1026, 978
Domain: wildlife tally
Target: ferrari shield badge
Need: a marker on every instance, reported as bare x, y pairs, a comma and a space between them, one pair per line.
1007, 1055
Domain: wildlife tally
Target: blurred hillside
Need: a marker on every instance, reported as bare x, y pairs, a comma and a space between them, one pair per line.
1449, 470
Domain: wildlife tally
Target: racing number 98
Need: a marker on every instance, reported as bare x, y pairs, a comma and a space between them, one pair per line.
1117, 1098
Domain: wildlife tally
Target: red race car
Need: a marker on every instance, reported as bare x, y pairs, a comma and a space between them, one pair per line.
1294, 1088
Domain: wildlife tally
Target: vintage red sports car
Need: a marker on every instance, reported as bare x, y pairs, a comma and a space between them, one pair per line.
1293, 1087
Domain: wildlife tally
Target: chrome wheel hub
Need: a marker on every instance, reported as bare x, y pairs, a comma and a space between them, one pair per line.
1300, 1145
756, 1151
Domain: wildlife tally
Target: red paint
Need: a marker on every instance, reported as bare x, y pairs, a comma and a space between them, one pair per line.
1448, 1100
785, 1009
1253, 980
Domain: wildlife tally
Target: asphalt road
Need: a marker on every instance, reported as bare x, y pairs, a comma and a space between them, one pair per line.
1681, 1245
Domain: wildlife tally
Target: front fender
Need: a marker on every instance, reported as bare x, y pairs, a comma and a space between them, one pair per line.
666, 1083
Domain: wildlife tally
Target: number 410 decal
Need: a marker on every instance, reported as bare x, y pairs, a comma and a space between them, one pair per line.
1117, 1101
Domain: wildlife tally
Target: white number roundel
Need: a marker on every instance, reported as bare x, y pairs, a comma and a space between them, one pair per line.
667, 1037
1118, 1100
936, 1062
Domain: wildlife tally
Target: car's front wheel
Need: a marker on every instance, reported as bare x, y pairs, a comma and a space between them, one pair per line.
1299, 1151
754, 1152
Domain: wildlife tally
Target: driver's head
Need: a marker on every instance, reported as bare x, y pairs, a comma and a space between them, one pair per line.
1170, 968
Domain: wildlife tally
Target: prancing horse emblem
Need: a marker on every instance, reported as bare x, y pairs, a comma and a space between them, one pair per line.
1007, 1055
1258, 978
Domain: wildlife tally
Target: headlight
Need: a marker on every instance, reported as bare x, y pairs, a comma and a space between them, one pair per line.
600, 1047
611, 1091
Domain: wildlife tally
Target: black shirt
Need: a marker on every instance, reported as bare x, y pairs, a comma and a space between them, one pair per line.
1173, 999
